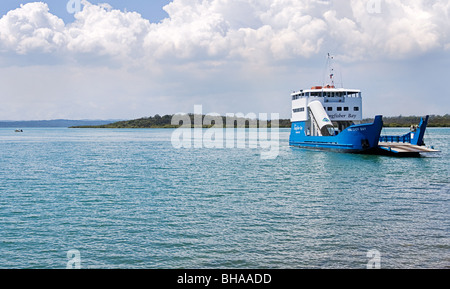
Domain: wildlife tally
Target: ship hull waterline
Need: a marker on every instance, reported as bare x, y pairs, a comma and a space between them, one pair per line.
357, 139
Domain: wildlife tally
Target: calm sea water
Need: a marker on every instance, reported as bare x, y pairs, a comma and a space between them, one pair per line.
128, 199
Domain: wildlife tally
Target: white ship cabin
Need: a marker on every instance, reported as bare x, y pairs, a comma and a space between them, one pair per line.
343, 107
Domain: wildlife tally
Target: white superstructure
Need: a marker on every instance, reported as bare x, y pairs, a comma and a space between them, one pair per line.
343, 107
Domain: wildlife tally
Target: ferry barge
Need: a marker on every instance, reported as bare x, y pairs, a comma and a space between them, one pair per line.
329, 118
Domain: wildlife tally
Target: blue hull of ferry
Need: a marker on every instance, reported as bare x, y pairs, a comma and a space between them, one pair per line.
362, 138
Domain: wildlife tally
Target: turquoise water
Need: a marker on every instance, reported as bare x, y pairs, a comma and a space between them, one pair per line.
128, 199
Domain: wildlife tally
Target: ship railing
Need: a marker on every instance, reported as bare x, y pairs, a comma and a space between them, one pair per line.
396, 138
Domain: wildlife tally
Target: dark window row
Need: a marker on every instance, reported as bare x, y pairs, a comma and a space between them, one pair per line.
325, 94
346, 108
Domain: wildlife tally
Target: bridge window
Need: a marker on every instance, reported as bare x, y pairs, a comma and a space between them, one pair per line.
346, 108
339, 108
298, 96
354, 94
329, 108
356, 108
302, 109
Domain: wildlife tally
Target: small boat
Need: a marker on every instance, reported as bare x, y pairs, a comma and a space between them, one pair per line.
19, 130
329, 118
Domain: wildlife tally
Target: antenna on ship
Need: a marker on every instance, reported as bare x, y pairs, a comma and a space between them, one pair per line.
330, 59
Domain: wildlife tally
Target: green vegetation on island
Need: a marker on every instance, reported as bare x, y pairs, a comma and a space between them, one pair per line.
165, 121
407, 121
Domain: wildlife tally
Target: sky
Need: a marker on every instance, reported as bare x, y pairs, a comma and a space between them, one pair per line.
111, 59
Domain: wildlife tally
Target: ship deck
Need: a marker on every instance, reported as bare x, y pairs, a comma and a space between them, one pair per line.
404, 148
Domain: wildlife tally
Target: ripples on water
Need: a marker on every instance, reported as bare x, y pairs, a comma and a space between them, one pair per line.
128, 199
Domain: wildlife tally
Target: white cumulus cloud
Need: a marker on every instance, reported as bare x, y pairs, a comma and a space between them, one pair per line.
32, 28
99, 29
224, 29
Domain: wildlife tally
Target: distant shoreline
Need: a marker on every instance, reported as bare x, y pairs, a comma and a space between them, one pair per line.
158, 121
53, 123
164, 122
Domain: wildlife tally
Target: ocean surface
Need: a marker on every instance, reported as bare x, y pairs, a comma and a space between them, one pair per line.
130, 199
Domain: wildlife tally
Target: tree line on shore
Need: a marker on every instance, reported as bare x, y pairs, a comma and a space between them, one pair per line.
165, 121
406, 121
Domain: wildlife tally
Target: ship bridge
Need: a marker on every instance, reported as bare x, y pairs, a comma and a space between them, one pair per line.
343, 107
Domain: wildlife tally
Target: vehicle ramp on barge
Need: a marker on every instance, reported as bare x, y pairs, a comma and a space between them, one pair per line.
410, 144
